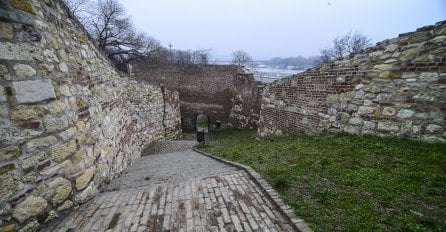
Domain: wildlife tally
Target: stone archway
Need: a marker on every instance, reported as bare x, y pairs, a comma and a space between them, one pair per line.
202, 123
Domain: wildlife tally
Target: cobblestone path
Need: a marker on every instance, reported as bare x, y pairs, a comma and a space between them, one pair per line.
178, 191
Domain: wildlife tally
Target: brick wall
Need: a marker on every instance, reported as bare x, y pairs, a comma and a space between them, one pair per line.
69, 123
395, 88
217, 91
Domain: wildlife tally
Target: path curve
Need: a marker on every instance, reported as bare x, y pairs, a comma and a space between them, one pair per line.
173, 188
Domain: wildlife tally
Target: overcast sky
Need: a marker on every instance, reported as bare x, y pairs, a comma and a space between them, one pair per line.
269, 28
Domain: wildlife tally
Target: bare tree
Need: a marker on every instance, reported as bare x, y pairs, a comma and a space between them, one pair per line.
77, 6
108, 23
155, 52
201, 56
240, 58
345, 45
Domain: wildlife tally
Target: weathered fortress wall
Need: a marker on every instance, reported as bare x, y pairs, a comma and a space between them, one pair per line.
224, 93
68, 122
396, 88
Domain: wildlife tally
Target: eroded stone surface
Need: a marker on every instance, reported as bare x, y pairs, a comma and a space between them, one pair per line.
24, 70
30, 207
33, 91
8, 153
28, 112
9, 184
86, 194
61, 152
84, 179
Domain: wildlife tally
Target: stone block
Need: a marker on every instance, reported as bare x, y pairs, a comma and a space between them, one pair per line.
416, 129
428, 77
389, 111
4, 74
3, 97
383, 67
10, 51
7, 167
420, 37
79, 156
8, 228
433, 139
55, 124
367, 103
45, 69
67, 134
4, 113
9, 185
50, 56
359, 94
86, 194
389, 127
63, 67
6, 31
432, 128
343, 117
61, 152
409, 54
28, 112
40, 143
33, 160
340, 79
363, 110
359, 86
32, 226
8, 153
30, 177
391, 48
24, 70
61, 194
384, 97
64, 90
352, 107
352, 130
405, 113
369, 126
440, 30
24, 5
57, 107
66, 205
30, 207
356, 121
84, 179
61, 168
33, 91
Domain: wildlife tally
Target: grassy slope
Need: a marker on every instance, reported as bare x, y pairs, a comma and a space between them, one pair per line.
348, 183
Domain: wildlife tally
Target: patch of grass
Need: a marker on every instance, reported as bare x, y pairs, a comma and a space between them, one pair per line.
348, 183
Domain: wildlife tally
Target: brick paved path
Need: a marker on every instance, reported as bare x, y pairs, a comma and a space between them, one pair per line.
178, 191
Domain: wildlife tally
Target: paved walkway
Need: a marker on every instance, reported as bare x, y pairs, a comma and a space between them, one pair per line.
172, 188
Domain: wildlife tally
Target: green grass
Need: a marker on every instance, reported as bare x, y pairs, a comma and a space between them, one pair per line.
348, 183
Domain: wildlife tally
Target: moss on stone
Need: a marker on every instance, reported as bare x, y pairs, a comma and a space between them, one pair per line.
7, 168
8, 228
6, 31
420, 37
441, 30
24, 5
28, 112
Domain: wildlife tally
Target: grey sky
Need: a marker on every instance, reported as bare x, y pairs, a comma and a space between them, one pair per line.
268, 28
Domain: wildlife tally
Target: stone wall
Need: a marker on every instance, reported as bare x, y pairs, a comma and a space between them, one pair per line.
69, 123
222, 92
246, 100
396, 88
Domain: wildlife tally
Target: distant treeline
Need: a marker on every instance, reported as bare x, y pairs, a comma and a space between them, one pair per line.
298, 62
